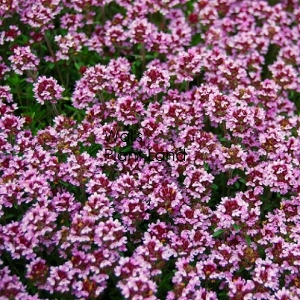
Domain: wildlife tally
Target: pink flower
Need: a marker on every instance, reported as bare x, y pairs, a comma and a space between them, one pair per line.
5, 95
155, 80
47, 89
23, 60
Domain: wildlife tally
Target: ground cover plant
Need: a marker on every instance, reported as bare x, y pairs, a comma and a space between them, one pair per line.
149, 149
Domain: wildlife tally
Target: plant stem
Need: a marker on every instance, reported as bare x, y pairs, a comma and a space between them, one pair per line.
82, 189
269, 195
32, 76
224, 128
55, 109
198, 79
19, 96
54, 58
163, 24
187, 86
143, 56
229, 177
101, 98
103, 14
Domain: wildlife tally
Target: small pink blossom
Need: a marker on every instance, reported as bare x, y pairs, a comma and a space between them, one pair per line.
47, 89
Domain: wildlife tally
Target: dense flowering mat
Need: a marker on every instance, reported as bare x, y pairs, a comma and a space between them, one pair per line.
149, 149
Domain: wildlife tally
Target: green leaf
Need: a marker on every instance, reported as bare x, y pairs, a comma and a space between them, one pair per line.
51, 65
222, 295
189, 6
248, 240
14, 79
214, 186
63, 183
218, 232
44, 47
71, 107
236, 227
149, 56
222, 139
127, 149
242, 180
8, 216
237, 185
77, 66
196, 39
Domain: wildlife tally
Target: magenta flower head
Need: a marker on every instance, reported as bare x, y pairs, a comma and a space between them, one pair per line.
155, 80
23, 60
47, 89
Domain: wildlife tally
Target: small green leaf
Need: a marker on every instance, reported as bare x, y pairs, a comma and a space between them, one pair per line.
127, 149
242, 180
237, 185
214, 186
248, 240
222, 139
149, 56
218, 232
51, 65
9, 216
44, 47
63, 183
236, 227
71, 108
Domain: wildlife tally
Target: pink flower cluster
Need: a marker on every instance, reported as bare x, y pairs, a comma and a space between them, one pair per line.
222, 222
47, 89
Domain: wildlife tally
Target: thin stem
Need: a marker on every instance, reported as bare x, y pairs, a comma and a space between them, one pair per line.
11, 139
101, 97
198, 80
224, 128
206, 124
235, 140
143, 56
27, 98
269, 195
223, 185
55, 109
186, 86
68, 81
163, 24
31, 75
103, 14
54, 58
229, 177
266, 201
82, 189
19, 96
